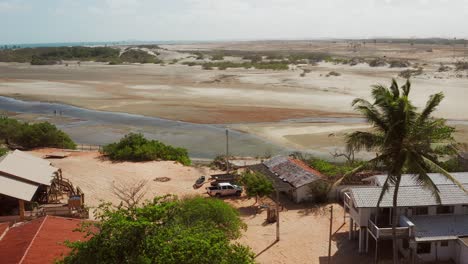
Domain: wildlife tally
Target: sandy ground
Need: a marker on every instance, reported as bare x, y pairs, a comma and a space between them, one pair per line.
180, 92
304, 228
96, 177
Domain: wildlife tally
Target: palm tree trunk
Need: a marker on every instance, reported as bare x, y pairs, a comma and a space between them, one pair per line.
395, 220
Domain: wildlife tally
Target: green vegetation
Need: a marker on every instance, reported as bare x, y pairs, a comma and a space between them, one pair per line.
137, 56
320, 189
3, 151
253, 57
411, 72
461, 65
332, 170
256, 184
37, 135
277, 66
399, 64
41, 56
333, 73
404, 139
135, 147
218, 57
166, 231
377, 62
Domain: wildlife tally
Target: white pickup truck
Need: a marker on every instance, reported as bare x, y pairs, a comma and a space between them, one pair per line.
224, 189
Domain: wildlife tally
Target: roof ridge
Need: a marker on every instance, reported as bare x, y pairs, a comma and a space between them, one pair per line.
32, 240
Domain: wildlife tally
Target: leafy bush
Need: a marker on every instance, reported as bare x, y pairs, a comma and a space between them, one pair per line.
167, 230
218, 57
378, 62
409, 73
320, 189
399, 64
37, 135
49, 55
281, 65
137, 56
333, 73
256, 184
135, 147
461, 65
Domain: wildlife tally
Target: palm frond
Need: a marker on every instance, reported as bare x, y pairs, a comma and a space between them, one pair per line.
369, 164
359, 140
431, 105
406, 88
394, 88
435, 167
420, 171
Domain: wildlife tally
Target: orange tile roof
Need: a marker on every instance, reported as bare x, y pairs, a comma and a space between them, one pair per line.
39, 241
306, 167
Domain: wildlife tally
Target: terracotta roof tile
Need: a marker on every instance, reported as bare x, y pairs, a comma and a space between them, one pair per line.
39, 241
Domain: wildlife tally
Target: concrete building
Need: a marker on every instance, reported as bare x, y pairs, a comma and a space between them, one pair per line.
427, 230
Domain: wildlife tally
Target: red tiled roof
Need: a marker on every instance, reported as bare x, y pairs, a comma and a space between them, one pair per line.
39, 241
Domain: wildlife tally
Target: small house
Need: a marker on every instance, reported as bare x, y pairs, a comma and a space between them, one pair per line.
291, 176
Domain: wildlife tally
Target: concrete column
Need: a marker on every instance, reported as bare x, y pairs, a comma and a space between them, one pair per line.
367, 240
361, 240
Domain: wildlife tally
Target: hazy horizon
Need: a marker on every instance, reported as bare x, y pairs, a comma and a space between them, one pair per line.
54, 21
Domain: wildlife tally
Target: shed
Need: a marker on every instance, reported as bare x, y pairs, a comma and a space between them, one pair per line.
291, 176
22, 175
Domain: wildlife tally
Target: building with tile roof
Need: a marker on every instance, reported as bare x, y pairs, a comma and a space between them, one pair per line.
39, 241
430, 227
291, 176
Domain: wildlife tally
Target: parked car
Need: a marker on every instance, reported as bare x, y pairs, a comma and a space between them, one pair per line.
224, 189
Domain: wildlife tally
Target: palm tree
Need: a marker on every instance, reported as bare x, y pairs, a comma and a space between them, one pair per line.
404, 139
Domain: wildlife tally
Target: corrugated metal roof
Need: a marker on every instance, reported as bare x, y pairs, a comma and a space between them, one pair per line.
367, 197
27, 167
17, 188
440, 227
409, 179
292, 172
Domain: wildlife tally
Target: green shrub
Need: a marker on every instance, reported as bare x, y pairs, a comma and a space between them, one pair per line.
409, 73
137, 56
320, 189
35, 135
218, 57
49, 55
256, 184
164, 231
135, 147
461, 65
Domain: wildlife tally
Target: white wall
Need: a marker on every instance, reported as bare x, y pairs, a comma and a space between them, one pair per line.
461, 253
439, 253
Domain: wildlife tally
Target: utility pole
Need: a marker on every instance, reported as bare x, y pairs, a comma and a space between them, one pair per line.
330, 234
277, 216
227, 151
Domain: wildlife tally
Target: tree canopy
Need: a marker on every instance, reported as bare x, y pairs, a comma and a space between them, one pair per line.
135, 147
35, 135
167, 230
256, 184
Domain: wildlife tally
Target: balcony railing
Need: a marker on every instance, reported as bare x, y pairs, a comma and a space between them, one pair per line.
386, 232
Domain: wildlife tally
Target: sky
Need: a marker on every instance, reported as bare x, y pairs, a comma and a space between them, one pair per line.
48, 21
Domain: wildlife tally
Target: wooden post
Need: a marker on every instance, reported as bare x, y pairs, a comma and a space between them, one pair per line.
277, 216
330, 234
227, 151
21, 209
